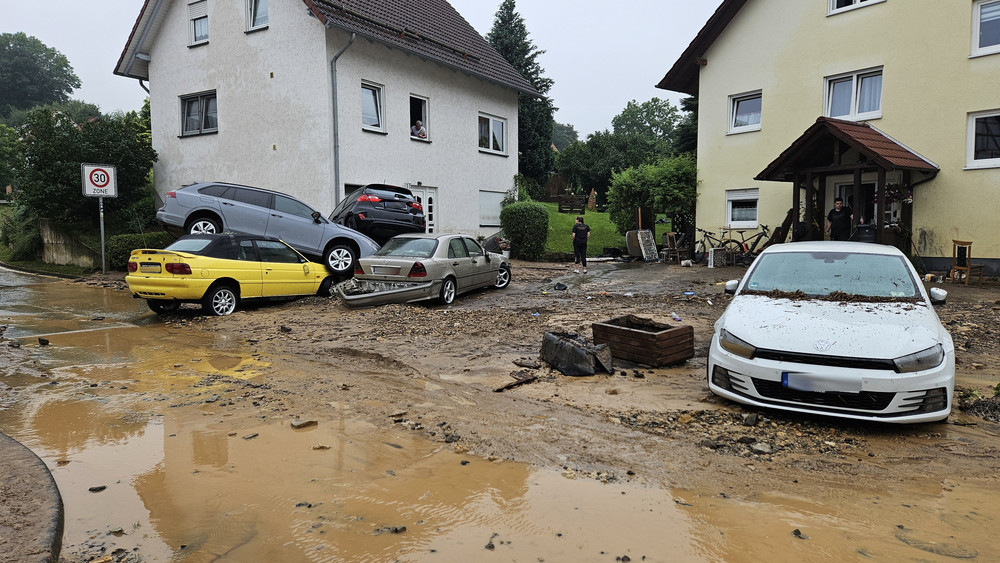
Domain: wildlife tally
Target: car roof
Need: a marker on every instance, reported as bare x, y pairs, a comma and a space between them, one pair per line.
834, 246
231, 236
432, 235
198, 185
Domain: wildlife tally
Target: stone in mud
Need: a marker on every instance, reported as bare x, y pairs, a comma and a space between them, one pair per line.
762, 448
298, 424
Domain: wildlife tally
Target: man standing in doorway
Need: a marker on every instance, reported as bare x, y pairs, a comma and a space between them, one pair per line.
838, 221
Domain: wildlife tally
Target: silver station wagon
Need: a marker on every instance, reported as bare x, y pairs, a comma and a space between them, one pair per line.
215, 207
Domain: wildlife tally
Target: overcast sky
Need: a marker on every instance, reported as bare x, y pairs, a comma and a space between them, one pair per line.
600, 54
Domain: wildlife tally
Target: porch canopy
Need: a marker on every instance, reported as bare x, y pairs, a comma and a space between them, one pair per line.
834, 147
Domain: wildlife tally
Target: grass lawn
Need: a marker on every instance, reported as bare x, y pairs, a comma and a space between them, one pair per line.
602, 232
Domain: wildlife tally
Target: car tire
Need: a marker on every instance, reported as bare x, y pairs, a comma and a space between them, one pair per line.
204, 225
503, 277
324, 287
163, 306
339, 259
448, 291
220, 300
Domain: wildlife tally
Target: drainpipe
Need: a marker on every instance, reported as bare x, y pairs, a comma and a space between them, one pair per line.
336, 122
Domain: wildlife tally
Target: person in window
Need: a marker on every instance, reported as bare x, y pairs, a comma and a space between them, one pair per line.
838, 221
581, 233
418, 131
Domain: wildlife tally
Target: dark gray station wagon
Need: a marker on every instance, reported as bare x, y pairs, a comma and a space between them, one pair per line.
215, 207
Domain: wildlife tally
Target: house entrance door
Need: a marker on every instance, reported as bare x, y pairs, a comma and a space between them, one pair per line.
427, 196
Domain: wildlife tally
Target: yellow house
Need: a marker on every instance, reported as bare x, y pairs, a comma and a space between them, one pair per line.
892, 105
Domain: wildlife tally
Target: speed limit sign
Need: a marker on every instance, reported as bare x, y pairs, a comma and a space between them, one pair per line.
99, 180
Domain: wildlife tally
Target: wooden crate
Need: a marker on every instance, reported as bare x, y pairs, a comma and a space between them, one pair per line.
645, 341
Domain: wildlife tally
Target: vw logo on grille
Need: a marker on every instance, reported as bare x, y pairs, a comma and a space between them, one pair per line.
822, 345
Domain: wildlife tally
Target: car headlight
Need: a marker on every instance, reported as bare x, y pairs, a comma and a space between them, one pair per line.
734, 345
925, 359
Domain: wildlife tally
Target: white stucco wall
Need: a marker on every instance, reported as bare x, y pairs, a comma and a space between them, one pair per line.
785, 48
275, 113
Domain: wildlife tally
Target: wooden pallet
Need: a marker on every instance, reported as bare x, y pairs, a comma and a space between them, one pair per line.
645, 341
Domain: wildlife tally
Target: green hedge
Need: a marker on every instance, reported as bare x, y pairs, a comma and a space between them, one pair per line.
120, 247
526, 224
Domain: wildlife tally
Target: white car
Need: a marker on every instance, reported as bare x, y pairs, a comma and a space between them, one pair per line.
842, 329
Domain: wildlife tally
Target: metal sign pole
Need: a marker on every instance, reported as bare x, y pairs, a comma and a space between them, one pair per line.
104, 263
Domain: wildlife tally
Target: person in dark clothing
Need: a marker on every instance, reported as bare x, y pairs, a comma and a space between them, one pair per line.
838, 221
581, 233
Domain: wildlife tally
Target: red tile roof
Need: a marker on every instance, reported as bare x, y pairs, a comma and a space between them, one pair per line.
814, 148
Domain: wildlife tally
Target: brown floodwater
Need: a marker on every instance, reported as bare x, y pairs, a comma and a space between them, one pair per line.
118, 400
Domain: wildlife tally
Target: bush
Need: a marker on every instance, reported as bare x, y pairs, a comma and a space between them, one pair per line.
120, 247
526, 224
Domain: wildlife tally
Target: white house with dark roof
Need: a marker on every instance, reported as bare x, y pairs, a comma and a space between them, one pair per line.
315, 97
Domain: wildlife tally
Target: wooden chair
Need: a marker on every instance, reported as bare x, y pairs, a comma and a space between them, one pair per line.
674, 252
961, 261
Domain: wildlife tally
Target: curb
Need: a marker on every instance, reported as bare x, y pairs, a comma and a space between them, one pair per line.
31, 508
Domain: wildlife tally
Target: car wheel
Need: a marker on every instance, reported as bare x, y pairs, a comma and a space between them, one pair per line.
324, 287
162, 306
448, 289
204, 226
503, 277
339, 259
220, 300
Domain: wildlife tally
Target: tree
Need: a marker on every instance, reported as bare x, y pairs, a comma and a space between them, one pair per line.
509, 37
668, 185
686, 132
10, 154
589, 165
656, 118
32, 73
563, 135
77, 110
54, 147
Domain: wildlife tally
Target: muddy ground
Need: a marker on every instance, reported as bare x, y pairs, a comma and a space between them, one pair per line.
435, 369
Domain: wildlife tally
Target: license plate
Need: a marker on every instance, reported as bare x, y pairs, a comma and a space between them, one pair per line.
386, 270
149, 267
820, 383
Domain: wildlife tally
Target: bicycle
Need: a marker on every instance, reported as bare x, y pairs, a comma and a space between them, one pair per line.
748, 246
708, 241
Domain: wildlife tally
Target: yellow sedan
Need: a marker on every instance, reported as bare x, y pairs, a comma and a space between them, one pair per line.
219, 271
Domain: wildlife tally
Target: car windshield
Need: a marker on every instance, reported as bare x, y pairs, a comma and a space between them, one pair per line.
836, 275
409, 247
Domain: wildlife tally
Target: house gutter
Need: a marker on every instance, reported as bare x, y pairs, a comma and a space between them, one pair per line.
336, 119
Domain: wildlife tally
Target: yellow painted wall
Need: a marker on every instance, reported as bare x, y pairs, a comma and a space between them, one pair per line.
786, 48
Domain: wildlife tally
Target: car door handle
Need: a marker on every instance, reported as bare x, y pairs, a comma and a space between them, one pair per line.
227, 203
454, 263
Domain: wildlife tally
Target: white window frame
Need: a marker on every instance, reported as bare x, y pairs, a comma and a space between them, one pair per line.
494, 121
734, 102
197, 11
425, 117
202, 100
971, 161
856, 81
854, 5
253, 10
743, 194
379, 92
977, 20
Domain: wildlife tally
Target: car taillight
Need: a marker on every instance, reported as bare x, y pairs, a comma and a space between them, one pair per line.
368, 197
361, 216
180, 269
132, 266
416, 205
417, 271
358, 270
171, 194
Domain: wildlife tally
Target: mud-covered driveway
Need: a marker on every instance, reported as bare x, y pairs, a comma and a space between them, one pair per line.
715, 481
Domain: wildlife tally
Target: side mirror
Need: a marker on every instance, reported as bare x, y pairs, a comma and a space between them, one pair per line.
731, 286
316, 215
938, 296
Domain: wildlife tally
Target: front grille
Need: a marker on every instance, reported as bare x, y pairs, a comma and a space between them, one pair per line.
820, 360
865, 400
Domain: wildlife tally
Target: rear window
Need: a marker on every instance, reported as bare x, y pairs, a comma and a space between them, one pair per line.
409, 247
212, 248
214, 191
192, 245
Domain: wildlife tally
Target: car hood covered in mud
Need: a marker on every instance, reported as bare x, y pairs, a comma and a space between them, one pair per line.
851, 329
